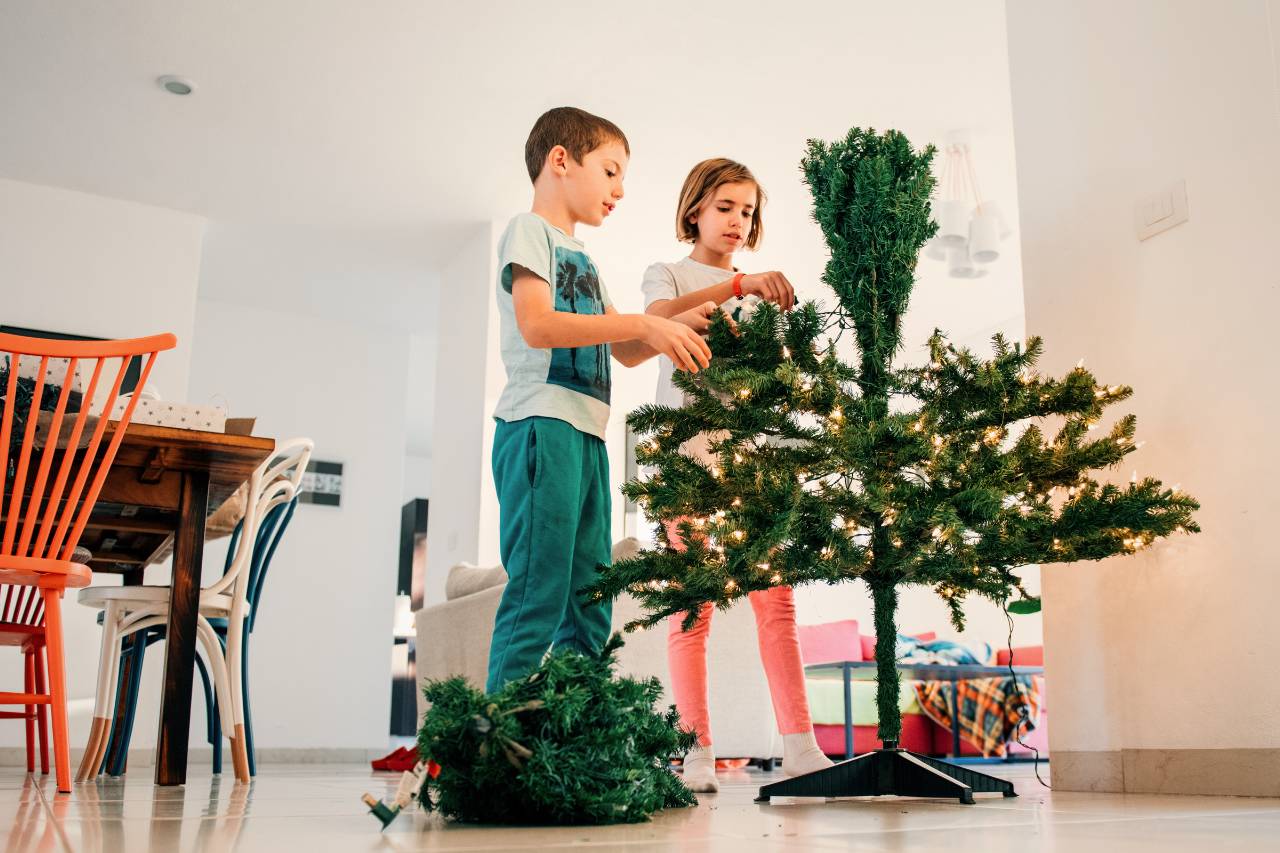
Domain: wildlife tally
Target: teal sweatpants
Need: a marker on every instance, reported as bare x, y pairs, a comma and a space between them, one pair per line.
553, 495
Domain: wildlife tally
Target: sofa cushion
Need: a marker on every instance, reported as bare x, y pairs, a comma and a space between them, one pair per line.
1022, 656
826, 701
625, 548
465, 579
830, 642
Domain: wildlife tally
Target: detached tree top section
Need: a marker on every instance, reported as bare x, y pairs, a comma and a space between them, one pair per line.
871, 199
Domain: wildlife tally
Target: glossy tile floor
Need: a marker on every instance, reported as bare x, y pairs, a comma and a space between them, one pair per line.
317, 808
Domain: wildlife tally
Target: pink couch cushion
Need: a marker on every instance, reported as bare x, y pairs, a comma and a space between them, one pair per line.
869, 643
830, 642
1022, 656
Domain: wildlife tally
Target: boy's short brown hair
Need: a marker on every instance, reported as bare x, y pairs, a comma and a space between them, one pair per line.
577, 130
703, 181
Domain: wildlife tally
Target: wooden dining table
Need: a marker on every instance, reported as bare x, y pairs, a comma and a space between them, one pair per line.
157, 496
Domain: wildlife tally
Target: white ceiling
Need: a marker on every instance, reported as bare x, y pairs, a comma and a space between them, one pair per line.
354, 141
404, 114
311, 113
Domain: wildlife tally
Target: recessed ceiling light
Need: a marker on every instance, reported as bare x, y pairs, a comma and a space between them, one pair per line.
176, 85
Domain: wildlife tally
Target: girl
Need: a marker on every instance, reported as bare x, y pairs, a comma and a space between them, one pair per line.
719, 213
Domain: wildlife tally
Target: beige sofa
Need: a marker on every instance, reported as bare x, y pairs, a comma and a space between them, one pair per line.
453, 639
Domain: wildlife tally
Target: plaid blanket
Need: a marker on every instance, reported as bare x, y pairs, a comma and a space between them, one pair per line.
990, 709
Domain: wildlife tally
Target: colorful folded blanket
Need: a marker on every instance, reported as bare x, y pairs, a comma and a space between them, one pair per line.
991, 709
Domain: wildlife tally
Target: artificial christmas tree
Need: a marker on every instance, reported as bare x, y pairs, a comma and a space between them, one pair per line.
833, 471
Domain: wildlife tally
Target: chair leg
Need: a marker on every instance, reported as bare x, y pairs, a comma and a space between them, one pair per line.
108, 660
244, 695
234, 657
221, 683
29, 686
42, 711
240, 755
119, 759
213, 730
216, 737
124, 677
57, 686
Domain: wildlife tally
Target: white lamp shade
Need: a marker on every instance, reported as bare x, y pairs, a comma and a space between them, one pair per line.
935, 250
993, 209
984, 238
953, 223
961, 265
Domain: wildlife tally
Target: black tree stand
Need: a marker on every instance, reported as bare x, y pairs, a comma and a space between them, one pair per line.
890, 772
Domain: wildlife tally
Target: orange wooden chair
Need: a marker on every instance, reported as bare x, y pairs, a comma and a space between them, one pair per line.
48, 486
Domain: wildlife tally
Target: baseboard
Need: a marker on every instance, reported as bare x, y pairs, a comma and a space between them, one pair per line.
1208, 772
16, 756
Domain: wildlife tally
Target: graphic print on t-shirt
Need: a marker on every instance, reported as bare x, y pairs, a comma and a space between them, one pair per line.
577, 290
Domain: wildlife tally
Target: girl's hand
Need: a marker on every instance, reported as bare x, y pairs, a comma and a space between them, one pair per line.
771, 287
677, 341
699, 319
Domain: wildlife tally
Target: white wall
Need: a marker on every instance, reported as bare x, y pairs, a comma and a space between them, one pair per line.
84, 264
420, 391
417, 478
420, 386
462, 522
1166, 652
321, 650
680, 99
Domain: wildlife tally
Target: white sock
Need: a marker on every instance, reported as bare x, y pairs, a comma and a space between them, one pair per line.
801, 754
700, 770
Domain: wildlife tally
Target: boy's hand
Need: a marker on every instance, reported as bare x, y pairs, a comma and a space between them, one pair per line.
676, 341
771, 287
699, 319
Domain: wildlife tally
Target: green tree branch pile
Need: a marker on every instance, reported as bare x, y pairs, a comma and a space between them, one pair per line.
570, 744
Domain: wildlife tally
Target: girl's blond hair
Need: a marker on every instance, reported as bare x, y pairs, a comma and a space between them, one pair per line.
703, 181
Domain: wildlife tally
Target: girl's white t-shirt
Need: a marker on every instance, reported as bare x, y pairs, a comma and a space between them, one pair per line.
668, 281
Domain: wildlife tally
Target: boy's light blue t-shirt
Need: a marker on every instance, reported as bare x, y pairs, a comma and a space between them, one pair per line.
571, 384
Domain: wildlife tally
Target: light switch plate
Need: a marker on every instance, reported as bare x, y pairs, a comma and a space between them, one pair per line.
1161, 211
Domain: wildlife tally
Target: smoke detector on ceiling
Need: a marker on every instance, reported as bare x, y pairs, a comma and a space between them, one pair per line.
176, 85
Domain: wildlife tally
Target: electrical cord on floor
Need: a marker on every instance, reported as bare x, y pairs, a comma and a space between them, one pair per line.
1024, 714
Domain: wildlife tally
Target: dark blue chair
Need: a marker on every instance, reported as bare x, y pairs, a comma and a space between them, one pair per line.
264, 548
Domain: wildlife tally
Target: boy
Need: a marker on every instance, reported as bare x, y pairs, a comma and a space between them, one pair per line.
559, 329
